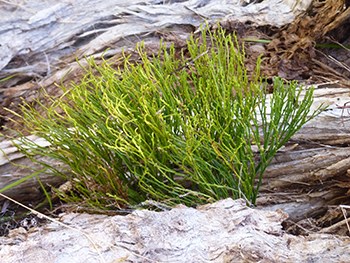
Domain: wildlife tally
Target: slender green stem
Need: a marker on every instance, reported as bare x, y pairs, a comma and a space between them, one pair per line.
175, 128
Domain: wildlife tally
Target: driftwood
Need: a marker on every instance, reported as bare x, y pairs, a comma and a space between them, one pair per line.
14, 166
37, 37
311, 174
226, 231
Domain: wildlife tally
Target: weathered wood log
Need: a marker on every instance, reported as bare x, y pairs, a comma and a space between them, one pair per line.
14, 166
226, 231
28, 191
36, 37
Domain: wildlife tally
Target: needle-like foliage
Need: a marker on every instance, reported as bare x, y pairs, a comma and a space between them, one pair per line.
172, 128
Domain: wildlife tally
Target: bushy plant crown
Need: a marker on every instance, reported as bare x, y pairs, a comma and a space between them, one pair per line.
173, 128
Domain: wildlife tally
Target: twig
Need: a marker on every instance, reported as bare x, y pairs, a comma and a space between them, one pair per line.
344, 214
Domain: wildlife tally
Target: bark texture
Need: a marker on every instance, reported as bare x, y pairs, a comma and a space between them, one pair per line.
226, 231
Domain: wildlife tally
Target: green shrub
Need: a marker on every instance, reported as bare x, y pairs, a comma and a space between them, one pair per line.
172, 128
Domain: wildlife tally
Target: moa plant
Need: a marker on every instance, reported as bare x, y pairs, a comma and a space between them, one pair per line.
185, 127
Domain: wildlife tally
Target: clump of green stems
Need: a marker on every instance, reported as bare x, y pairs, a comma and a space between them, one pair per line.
174, 128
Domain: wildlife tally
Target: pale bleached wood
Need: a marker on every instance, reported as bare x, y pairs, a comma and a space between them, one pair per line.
39, 37
304, 181
226, 231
